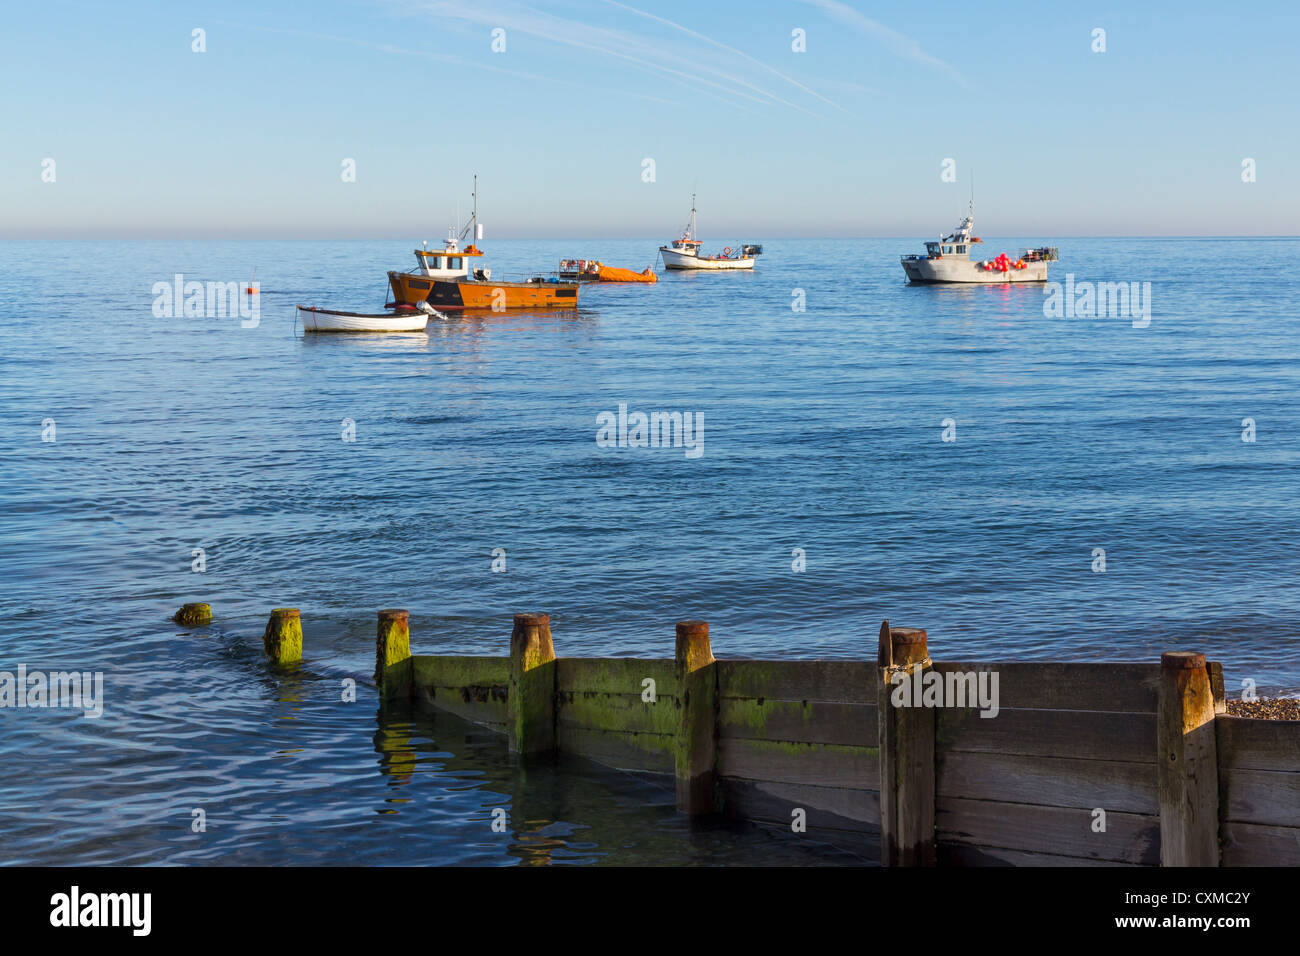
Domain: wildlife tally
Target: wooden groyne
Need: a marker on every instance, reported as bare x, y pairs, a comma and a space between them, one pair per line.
1073, 764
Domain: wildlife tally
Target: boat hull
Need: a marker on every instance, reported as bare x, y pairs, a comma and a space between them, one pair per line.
326, 320
676, 260
445, 294
953, 271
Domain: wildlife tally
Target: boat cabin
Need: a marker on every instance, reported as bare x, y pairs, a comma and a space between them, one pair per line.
449, 262
944, 247
690, 247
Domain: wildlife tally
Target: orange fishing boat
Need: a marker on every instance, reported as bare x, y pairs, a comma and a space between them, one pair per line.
445, 279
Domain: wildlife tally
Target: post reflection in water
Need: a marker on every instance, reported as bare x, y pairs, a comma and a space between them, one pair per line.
452, 775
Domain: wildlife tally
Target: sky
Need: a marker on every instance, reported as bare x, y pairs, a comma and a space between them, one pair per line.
112, 124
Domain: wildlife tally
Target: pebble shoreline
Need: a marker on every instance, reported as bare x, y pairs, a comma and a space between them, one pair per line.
1267, 708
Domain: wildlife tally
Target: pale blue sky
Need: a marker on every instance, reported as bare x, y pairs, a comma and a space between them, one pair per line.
846, 139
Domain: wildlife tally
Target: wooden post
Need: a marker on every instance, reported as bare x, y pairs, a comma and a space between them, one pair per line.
1187, 762
530, 703
193, 615
695, 750
393, 654
282, 638
906, 752
1216, 687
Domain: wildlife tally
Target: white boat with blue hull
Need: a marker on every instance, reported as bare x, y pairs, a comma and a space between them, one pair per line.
948, 260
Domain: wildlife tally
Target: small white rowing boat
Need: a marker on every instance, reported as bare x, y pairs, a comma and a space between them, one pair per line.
330, 320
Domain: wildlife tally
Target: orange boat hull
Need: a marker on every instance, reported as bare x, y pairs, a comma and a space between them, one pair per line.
409, 289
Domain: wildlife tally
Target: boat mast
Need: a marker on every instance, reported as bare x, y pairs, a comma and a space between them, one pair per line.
473, 219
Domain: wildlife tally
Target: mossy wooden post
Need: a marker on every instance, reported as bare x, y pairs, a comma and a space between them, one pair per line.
193, 615
1187, 765
695, 753
530, 702
282, 638
906, 752
393, 654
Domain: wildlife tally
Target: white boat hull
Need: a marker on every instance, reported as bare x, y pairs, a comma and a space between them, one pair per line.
325, 320
964, 270
677, 260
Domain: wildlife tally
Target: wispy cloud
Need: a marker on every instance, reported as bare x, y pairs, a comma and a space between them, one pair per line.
729, 49
900, 43
698, 76
447, 58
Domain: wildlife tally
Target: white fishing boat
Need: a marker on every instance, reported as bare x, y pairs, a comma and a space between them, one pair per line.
684, 253
948, 260
399, 320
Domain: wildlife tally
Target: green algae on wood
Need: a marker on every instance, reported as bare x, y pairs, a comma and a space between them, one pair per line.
811, 721
431, 670
531, 698
393, 654
618, 712
614, 675
282, 638
193, 615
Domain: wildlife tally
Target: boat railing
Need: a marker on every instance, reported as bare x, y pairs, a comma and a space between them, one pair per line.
535, 277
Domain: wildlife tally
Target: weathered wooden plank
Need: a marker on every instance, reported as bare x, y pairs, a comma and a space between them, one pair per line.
614, 675
619, 712
624, 751
478, 704
1252, 844
458, 671
1032, 685
1246, 743
828, 765
1187, 775
826, 808
1128, 837
1084, 734
1113, 785
811, 721
961, 854
1261, 796
851, 682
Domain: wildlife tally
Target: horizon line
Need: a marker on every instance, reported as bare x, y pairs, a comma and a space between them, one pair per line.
373, 238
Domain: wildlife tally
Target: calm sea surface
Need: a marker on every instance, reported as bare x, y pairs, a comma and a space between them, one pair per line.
822, 432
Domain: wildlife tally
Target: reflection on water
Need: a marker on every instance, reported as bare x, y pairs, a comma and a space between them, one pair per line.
568, 810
